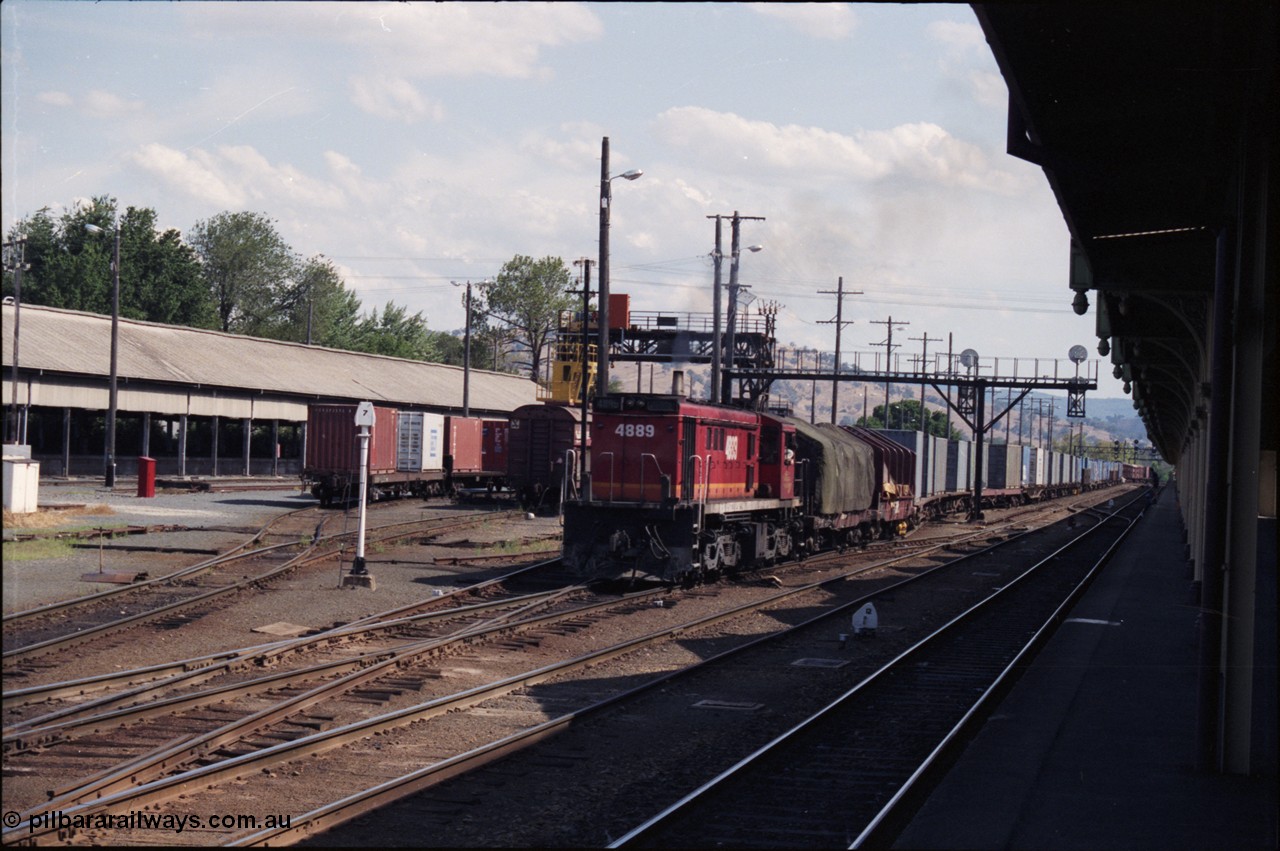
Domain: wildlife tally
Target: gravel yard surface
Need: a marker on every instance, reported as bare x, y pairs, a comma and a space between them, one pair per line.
36, 576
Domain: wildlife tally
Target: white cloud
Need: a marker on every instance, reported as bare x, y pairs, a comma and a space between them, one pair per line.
235, 175
816, 20
100, 104
922, 150
963, 44
989, 89
190, 175
394, 98
55, 98
421, 39
958, 34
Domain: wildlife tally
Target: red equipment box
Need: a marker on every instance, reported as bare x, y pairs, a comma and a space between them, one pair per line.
619, 310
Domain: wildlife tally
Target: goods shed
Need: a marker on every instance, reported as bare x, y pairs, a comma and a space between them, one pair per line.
188, 396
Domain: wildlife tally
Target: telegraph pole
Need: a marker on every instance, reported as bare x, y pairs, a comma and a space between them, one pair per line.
586, 360
731, 319
888, 354
924, 358
716, 257
839, 322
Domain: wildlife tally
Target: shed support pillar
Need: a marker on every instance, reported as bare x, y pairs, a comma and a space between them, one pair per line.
246, 430
66, 441
182, 445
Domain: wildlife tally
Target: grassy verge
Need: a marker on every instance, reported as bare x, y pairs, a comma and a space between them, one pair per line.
40, 548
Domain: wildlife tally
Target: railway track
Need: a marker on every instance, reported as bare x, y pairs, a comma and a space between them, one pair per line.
849, 774
447, 801
179, 597
293, 739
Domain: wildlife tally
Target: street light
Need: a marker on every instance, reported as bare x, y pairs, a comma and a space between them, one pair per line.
466, 349
110, 471
606, 201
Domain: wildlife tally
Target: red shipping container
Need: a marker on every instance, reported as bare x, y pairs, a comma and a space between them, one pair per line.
493, 452
465, 444
333, 441
619, 310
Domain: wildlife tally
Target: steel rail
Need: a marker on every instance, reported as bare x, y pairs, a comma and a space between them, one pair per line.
368, 667
188, 668
45, 729
370, 799
314, 553
650, 826
285, 752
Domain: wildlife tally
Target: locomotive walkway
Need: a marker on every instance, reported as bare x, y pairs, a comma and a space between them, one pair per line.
1095, 747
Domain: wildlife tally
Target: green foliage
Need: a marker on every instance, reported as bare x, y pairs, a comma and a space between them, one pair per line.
239, 275
527, 296
906, 415
247, 267
315, 307
160, 274
70, 267
396, 334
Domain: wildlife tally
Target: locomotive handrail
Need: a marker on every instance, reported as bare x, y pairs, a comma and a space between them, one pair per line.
804, 483
609, 455
570, 464
644, 455
706, 485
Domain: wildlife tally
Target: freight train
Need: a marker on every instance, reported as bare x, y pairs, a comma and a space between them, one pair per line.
682, 490
416, 453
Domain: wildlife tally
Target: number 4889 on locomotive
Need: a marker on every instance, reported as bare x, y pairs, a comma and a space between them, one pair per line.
682, 490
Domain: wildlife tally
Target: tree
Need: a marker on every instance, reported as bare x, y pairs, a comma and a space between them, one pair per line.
395, 333
70, 267
315, 307
160, 277
527, 296
247, 268
906, 415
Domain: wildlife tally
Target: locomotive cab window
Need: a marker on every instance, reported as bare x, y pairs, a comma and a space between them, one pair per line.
769, 446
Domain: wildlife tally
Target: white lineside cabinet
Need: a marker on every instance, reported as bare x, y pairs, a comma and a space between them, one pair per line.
21, 480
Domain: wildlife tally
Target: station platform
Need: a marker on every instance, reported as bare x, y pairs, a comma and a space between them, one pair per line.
1095, 746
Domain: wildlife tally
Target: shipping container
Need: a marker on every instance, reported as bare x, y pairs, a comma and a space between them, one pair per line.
465, 445
421, 442
899, 473
938, 479
333, 441
493, 451
1004, 466
960, 463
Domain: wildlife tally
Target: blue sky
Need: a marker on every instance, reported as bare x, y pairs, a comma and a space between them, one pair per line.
417, 144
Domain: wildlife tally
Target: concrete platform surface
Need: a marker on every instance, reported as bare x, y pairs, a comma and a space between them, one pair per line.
1095, 746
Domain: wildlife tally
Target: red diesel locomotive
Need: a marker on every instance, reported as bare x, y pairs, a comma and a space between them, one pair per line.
682, 490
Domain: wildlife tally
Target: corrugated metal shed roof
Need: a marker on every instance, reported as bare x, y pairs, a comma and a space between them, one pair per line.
74, 343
